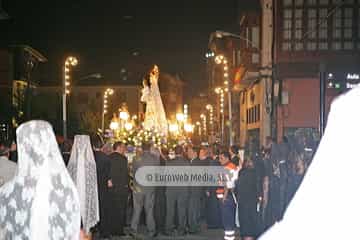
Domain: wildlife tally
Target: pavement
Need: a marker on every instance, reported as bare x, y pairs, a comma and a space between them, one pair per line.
211, 234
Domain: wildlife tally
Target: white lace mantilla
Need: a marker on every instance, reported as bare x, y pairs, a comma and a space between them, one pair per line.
82, 168
41, 201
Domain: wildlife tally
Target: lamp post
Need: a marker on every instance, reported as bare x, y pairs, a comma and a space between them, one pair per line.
108, 92
198, 124
69, 62
221, 59
210, 108
203, 118
220, 91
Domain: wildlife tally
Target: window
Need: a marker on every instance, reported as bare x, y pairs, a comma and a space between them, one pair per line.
299, 2
311, 2
255, 36
286, 46
323, 23
255, 58
323, 45
336, 45
348, 45
287, 29
312, 21
253, 114
311, 46
348, 17
348, 33
299, 46
320, 25
238, 57
337, 17
287, 2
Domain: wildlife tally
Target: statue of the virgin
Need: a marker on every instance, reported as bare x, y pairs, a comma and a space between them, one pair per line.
155, 118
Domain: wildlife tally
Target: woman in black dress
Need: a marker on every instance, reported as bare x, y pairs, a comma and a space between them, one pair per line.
246, 194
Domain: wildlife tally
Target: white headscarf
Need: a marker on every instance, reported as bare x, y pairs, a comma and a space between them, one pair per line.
326, 205
41, 201
82, 169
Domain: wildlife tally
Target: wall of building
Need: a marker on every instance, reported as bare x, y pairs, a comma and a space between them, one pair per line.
251, 115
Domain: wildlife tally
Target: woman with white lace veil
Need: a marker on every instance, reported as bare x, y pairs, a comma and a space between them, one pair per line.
41, 201
82, 169
326, 206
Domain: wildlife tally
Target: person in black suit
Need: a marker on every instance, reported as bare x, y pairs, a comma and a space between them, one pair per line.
103, 179
176, 196
196, 193
118, 188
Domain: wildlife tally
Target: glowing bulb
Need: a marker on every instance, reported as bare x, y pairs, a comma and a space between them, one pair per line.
226, 75
114, 125
124, 115
226, 82
180, 117
188, 128
173, 127
128, 126
218, 59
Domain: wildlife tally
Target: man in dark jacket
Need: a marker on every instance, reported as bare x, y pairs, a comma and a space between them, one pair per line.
176, 196
144, 197
103, 179
196, 193
118, 188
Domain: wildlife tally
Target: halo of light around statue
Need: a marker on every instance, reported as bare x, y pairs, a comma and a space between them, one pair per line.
155, 127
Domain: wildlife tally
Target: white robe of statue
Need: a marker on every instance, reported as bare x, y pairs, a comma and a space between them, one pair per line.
155, 118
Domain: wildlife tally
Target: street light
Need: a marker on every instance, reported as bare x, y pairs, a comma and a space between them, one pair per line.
198, 124
210, 108
108, 92
186, 112
180, 117
69, 62
173, 128
128, 126
189, 128
221, 34
203, 118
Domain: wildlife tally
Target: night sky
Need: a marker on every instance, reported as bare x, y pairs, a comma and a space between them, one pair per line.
105, 34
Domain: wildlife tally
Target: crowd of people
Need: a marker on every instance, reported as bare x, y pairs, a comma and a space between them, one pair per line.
266, 180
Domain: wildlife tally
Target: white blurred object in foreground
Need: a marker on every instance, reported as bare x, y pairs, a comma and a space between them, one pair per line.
326, 205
